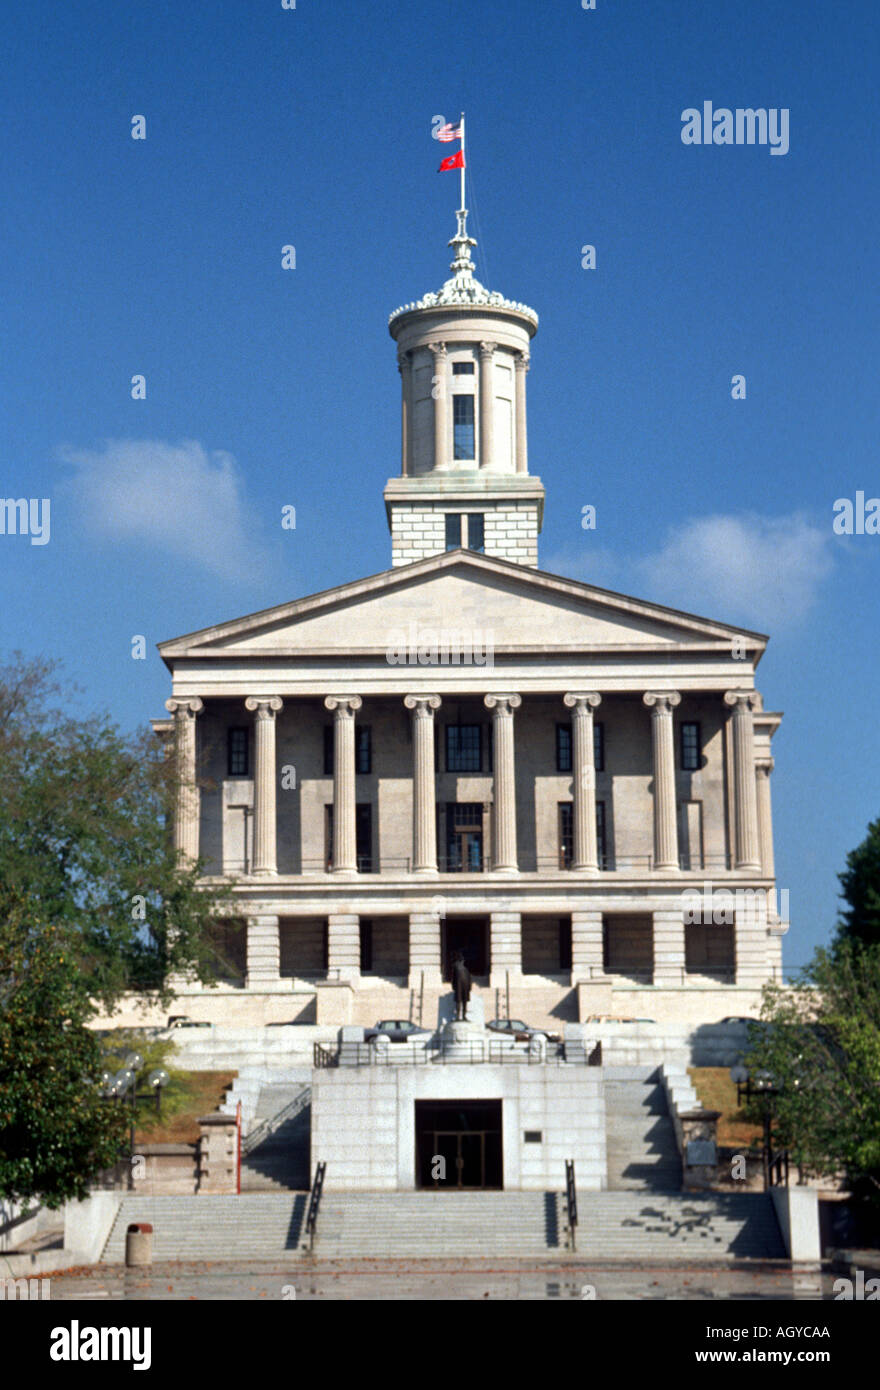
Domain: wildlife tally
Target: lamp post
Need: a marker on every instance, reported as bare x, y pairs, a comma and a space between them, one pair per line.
758, 1086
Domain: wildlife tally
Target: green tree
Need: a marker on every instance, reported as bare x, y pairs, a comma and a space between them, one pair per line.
859, 922
93, 902
820, 1043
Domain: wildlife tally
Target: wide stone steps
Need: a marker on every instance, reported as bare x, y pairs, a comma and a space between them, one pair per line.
444, 1224
640, 1146
250, 1227
612, 1226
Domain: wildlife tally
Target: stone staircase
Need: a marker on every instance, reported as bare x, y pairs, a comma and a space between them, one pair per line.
253, 1226
641, 1150
667, 1228
445, 1225
280, 1161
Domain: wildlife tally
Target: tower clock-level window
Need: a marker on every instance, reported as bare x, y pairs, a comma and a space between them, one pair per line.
462, 369
237, 753
476, 531
690, 746
453, 530
463, 427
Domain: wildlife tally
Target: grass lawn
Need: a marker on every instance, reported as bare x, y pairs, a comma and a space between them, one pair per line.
204, 1090
717, 1092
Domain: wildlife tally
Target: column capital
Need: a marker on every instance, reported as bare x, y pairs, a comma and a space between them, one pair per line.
438, 349
503, 705
661, 701
742, 699
264, 706
191, 706
582, 699
487, 350
521, 361
404, 362
765, 765
344, 705
423, 705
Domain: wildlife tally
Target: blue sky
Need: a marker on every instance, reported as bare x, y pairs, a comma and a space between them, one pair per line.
311, 127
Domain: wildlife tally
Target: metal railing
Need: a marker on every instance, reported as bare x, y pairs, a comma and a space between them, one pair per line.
266, 1127
571, 1202
314, 1203
777, 1165
467, 1052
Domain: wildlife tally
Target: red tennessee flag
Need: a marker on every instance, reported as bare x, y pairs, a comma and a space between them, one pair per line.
452, 161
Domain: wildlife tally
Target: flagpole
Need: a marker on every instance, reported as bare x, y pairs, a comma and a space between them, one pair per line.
462, 162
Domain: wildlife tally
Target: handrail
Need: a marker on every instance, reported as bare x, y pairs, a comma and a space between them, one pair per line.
777, 1168
314, 1203
267, 1127
571, 1200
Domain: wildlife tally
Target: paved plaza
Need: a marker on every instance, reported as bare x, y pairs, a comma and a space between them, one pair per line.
441, 1280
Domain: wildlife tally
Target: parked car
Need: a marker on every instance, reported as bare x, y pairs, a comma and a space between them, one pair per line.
396, 1030
181, 1021
519, 1031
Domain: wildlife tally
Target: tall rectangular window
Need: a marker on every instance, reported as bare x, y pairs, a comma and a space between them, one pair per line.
463, 427
475, 531
328, 750
363, 748
237, 753
363, 824
563, 748
690, 746
453, 530
566, 834
599, 747
463, 752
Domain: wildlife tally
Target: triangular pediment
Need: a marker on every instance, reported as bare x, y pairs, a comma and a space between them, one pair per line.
521, 610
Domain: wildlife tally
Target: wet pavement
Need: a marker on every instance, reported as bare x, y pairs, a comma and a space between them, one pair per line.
440, 1280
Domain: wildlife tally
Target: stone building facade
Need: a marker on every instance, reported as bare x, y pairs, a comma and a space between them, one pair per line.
466, 752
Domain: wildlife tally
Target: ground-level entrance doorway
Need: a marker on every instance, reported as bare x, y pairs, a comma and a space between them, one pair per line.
470, 935
458, 1144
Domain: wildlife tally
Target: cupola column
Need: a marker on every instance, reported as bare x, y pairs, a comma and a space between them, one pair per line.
439, 392
521, 364
487, 404
404, 366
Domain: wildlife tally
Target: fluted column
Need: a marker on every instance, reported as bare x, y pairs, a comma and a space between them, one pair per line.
424, 808
747, 848
487, 404
404, 366
661, 705
439, 392
765, 816
344, 829
521, 366
585, 851
186, 820
502, 707
264, 709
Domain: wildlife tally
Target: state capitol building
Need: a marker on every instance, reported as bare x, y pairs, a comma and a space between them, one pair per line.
466, 753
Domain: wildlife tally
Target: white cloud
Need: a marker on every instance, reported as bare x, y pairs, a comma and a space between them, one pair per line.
172, 497
753, 569
763, 572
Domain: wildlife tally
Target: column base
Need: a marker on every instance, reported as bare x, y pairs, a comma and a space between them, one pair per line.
591, 869
431, 871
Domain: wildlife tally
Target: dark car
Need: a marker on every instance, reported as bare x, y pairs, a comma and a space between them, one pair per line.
396, 1030
519, 1031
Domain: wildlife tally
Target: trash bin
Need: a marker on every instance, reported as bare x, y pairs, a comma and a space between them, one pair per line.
139, 1244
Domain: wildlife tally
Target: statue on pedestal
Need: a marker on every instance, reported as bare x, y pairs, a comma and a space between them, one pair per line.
461, 984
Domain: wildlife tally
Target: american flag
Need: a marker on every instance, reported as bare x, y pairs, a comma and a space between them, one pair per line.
450, 131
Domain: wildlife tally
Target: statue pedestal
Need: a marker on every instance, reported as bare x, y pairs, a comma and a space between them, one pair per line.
465, 1040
